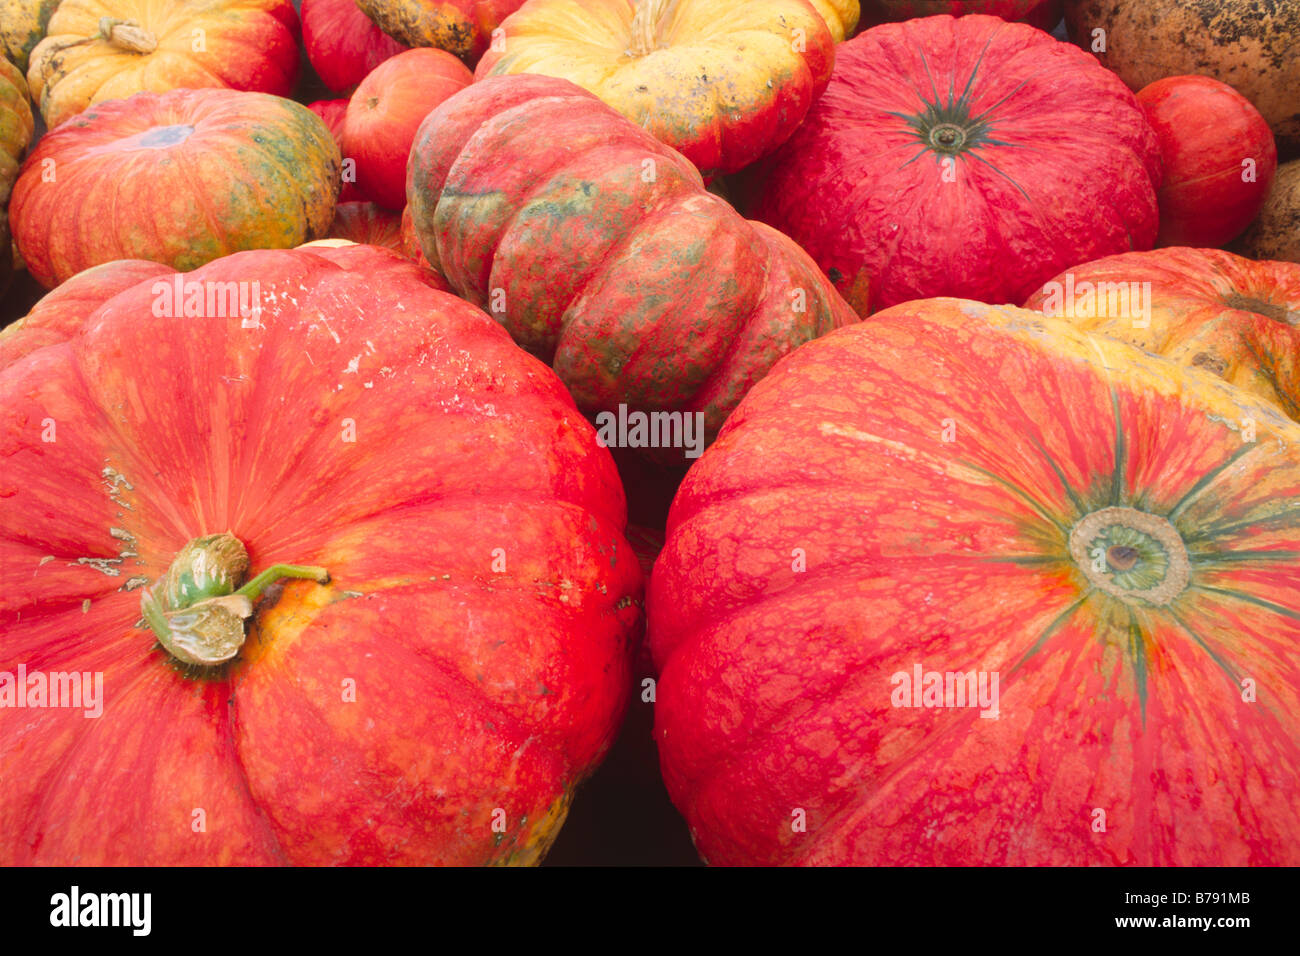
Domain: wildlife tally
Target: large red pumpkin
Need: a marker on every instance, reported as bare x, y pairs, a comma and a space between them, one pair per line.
1218, 155
600, 250
1204, 308
99, 50
436, 701
386, 110
968, 157
342, 43
1094, 547
182, 177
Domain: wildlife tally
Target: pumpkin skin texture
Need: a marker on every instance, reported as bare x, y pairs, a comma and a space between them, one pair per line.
1044, 14
386, 110
334, 114
474, 689
367, 222
1208, 131
246, 45
533, 199
1275, 233
224, 171
1210, 309
1248, 44
17, 125
22, 26
984, 194
342, 43
461, 27
1120, 684
720, 81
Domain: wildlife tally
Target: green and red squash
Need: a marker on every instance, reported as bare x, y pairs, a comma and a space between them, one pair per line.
352, 573
966, 494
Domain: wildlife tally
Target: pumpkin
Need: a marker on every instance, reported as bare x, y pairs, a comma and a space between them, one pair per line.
60, 314
964, 585
721, 81
1275, 233
1044, 14
410, 241
99, 50
372, 227
602, 253
386, 110
961, 157
182, 178
334, 114
1245, 43
445, 653
1218, 157
461, 27
22, 26
342, 43
17, 125
1205, 308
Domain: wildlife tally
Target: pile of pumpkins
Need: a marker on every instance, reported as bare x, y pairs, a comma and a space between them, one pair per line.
899, 399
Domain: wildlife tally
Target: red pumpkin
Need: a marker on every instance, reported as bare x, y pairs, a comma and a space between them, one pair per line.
955, 488
181, 178
602, 253
1219, 159
334, 114
368, 223
385, 112
1203, 308
467, 661
410, 241
960, 157
342, 43
1044, 14
97, 50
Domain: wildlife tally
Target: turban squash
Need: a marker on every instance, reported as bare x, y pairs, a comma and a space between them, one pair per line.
1203, 308
723, 82
599, 249
961, 156
17, 126
181, 177
436, 700
961, 489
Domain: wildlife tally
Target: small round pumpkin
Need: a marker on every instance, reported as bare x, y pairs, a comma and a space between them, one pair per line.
1203, 308
342, 43
1248, 44
461, 27
1275, 233
97, 50
182, 178
599, 249
1218, 155
959, 156
386, 110
352, 574
721, 82
966, 586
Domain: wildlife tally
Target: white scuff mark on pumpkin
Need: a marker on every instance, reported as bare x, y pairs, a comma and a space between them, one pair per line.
353, 365
132, 583
370, 384
105, 565
45, 560
85, 606
310, 360
370, 345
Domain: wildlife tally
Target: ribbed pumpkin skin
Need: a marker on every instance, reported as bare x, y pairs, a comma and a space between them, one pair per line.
1248, 44
17, 126
868, 186
386, 110
532, 197
1235, 317
246, 45
342, 43
722, 82
461, 27
181, 178
776, 687
22, 26
475, 688
370, 224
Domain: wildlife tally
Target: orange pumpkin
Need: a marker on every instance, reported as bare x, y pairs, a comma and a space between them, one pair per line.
16, 128
98, 50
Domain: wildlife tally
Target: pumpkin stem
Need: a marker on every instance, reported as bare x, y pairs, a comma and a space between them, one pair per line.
198, 609
1132, 555
127, 35
1273, 310
650, 15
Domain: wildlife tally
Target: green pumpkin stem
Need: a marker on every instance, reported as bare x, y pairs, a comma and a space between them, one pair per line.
254, 588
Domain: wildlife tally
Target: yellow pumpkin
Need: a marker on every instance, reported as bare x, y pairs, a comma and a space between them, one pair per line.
722, 81
97, 50
16, 127
22, 24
